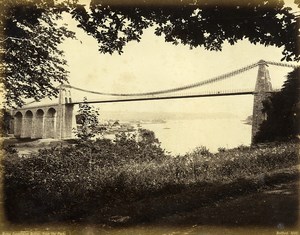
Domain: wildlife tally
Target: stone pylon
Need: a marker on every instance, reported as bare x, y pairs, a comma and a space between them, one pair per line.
262, 92
65, 113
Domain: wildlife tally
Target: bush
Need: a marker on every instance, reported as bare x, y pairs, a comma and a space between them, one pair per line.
74, 182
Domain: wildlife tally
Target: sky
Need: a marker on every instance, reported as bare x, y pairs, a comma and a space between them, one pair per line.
153, 64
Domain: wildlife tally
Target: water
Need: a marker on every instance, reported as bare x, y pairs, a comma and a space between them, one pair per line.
181, 136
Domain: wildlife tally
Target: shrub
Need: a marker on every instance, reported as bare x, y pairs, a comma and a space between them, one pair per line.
88, 120
85, 178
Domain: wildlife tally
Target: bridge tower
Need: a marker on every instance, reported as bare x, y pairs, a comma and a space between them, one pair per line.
262, 92
65, 113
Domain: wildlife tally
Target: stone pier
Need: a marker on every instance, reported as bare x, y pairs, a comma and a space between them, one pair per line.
262, 92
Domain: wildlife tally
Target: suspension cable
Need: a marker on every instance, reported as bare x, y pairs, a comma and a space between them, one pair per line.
282, 64
198, 84
186, 87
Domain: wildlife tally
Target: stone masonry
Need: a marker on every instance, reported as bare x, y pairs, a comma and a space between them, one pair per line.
262, 92
45, 121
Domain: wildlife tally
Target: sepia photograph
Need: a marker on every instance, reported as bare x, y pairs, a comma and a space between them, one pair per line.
148, 117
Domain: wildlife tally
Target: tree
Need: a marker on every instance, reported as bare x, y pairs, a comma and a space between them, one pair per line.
139, 146
32, 61
283, 112
147, 137
88, 118
5, 119
192, 22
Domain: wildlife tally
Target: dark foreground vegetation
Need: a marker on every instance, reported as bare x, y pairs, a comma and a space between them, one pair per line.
132, 180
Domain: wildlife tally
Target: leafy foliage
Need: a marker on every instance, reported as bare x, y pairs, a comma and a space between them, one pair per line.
88, 118
92, 179
283, 112
5, 119
32, 62
193, 23
140, 147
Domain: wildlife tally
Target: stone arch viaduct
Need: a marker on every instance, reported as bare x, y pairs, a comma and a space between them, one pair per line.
45, 121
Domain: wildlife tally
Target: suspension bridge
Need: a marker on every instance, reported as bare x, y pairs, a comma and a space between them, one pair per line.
39, 120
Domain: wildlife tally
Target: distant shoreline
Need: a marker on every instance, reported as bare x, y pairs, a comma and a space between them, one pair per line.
136, 116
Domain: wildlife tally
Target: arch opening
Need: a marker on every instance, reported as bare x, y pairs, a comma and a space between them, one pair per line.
50, 124
27, 129
18, 124
39, 124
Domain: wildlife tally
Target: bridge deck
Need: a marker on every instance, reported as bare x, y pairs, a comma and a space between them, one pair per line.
187, 96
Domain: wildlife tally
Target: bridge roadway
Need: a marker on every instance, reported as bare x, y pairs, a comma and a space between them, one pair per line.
180, 96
